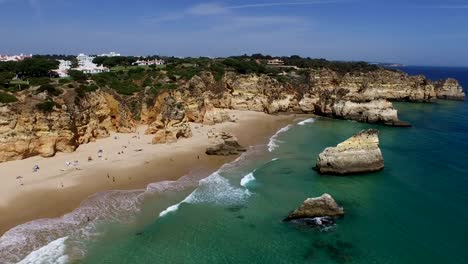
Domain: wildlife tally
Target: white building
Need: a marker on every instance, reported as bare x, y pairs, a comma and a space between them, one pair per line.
86, 65
14, 57
149, 62
111, 54
64, 67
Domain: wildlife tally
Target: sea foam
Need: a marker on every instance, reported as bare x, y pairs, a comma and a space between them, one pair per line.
307, 121
247, 179
54, 252
213, 189
273, 143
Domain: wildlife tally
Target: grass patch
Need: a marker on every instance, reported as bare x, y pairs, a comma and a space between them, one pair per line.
7, 98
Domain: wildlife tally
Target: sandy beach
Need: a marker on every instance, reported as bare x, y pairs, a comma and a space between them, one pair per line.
128, 161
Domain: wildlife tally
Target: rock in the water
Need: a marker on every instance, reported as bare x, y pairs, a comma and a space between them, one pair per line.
449, 89
224, 144
316, 210
358, 154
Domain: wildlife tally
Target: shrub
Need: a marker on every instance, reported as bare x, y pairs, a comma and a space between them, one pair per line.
39, 81
83, 89
7, 98
51, 90
78, 76
64, 80
46, 106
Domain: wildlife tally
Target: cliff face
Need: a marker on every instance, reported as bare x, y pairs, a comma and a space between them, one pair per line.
78, 119
26, 131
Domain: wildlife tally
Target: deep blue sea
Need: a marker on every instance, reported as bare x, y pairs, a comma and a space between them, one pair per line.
414, 211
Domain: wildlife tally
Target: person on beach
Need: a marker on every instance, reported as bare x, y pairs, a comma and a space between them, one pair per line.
100, 151
35, 168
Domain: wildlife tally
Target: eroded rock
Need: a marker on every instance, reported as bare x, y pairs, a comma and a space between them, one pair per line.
358, 154
319, 210
224, 144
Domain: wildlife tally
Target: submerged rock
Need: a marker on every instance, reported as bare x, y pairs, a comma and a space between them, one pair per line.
319, 211
358, 154
224, 144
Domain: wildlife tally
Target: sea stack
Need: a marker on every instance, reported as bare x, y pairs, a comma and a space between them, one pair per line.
319, 211
358, 154
449, 89
224, 144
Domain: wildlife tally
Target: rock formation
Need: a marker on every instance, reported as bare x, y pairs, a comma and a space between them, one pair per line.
449, 89
224, 144
167, 120
358, 154
78, 118
26, 131
317, 211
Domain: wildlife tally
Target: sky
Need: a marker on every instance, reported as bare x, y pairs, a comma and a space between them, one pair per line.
413, 32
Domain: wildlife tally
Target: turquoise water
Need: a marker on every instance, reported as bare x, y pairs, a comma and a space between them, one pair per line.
414, 211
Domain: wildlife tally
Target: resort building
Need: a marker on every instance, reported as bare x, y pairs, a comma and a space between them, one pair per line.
111, 54
149, 62
14, 57
63, 68
86, 65
275, 62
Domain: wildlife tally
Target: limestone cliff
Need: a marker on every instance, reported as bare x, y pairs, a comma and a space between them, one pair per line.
360, 153
77, 118
26, 131
449, 89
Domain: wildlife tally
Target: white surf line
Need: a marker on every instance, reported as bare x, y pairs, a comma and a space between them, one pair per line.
307, 121
272, 144
54, 252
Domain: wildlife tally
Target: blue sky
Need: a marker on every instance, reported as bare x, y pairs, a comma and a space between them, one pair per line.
432, 32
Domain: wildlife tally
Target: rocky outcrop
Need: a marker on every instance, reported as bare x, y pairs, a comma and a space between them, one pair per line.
358, 154
317, 211
374, 85
81, 117
167, 120
378, 111
26, 131
449, 89
224, 144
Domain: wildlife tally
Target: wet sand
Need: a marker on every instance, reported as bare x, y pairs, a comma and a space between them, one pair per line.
57, 188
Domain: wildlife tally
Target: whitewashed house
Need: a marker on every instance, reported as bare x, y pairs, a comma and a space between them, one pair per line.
86, 65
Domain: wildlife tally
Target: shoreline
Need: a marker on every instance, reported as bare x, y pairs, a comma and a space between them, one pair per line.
57, 189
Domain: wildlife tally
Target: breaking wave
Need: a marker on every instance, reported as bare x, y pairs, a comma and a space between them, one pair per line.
247, 179
273, 143
307, 121
54, 252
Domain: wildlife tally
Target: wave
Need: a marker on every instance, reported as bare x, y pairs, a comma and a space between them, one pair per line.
247, 179
82, 223
213, 189
307, 121
54, 252
273, 143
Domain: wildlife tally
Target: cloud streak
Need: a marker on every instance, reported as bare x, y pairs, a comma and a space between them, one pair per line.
255, 5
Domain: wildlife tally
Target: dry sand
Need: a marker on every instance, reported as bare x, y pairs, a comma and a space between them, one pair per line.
56, 188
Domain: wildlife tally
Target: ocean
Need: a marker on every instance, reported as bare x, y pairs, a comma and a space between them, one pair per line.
414, 211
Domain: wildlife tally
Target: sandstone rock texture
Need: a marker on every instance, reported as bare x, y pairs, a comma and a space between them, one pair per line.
358, 154
167, 120
26, 131
449, 89
77, 119
223, 144
323, 206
